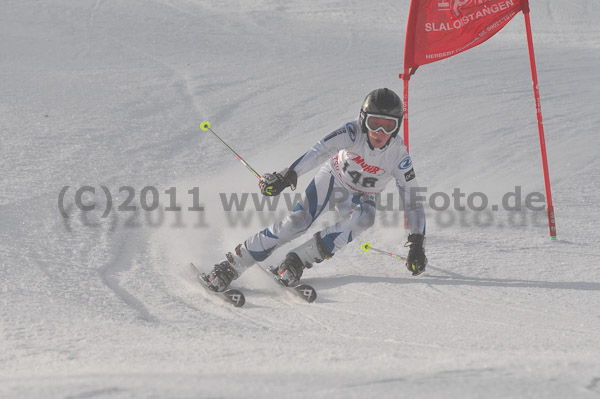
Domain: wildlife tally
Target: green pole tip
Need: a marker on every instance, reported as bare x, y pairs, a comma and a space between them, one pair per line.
205, 125
366, 246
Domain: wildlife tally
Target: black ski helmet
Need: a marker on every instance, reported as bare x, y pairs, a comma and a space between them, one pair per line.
381, 102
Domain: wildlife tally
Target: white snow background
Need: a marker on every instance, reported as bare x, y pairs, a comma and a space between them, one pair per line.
112, 93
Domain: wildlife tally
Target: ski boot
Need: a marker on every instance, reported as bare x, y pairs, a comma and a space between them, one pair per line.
221, 276
290, 270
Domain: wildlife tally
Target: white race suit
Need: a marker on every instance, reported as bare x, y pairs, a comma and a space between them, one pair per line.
352, 175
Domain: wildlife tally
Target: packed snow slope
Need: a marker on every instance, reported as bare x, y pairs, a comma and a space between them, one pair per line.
111, 94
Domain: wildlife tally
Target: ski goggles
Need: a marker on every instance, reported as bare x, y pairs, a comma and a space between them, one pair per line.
383, 123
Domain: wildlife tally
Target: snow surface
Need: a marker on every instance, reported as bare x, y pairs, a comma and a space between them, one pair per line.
112, 93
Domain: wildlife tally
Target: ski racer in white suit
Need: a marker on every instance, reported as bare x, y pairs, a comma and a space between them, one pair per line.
359, 159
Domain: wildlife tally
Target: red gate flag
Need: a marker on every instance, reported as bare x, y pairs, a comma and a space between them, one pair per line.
438, 29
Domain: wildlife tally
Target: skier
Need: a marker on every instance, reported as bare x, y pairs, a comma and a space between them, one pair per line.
360, 158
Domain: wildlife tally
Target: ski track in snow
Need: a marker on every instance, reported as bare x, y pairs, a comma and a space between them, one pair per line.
112, 94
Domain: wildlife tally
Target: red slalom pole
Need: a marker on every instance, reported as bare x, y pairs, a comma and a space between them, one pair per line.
409, 54
538, 107
406, 78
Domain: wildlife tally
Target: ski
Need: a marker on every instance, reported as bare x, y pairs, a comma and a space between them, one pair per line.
303, 291
232, 296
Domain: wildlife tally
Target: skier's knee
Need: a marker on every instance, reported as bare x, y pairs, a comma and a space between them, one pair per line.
367, 218
300, 220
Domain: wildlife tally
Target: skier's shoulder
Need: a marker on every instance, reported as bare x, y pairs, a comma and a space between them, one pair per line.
401, 158
398, 149
348, 130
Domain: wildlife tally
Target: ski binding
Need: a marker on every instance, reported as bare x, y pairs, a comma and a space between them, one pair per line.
232, 296
303, 291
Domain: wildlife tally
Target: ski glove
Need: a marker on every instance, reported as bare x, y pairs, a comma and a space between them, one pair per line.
274, 183
416, 259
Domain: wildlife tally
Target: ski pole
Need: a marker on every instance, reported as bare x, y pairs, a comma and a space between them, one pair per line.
206, 126
366, 246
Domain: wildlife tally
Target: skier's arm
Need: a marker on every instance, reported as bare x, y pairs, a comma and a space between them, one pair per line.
412, 196
413, 207
325, 148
